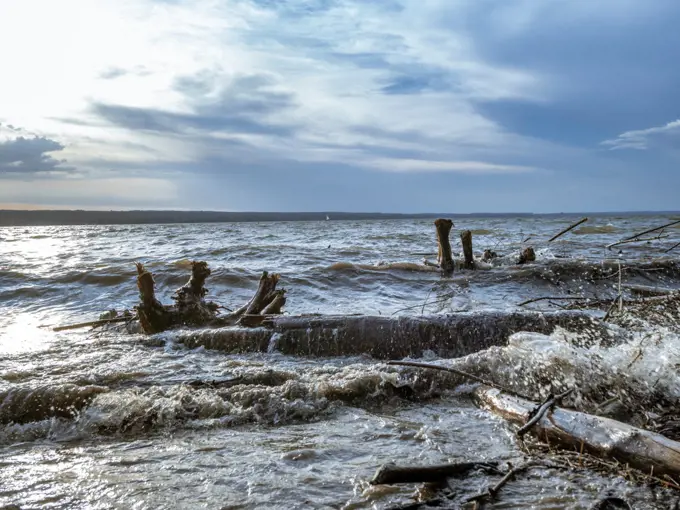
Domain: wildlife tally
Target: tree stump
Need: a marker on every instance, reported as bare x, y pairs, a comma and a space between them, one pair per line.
466, 241
444, 257
190, 303
153, 316
489, 255
528, 255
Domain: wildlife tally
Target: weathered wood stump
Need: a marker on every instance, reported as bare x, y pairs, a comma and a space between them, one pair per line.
528, 255
153, 316
191, 308
444, 257
489, 255
466, 241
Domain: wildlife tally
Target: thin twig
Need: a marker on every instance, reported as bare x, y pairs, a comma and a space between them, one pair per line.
570, 227
672, 247
655, 229
95, 324
547, 298
611, 308
637, 240
492, 491
548, 404
457, 372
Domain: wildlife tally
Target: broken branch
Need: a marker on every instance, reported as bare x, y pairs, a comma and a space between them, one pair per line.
570, 227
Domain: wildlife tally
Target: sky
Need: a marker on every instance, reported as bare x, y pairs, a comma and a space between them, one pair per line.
343, 105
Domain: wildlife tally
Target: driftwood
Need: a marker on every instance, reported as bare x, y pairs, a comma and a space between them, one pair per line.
191, 308
647, 291
94, 324
391, 474
527, 255
649, 231
492, 491
444, 257
570, 227
537, 414
552, 298
672, 248
452, 370
637, 240
602, 437
489, 255
383, 337
466, 241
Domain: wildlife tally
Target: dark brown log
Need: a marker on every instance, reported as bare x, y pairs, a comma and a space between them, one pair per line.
466, 241
391, 474
191, 306
528, 255
444, 257
264, 294
276, 304
599, 436
383, 337
153, 316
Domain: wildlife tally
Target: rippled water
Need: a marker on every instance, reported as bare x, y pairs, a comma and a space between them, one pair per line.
161, 426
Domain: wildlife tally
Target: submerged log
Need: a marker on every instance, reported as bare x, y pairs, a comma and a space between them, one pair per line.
381, 337
599, 436
389, 474
444, 257
466, 241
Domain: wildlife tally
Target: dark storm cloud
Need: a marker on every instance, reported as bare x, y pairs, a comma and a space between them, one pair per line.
23, 155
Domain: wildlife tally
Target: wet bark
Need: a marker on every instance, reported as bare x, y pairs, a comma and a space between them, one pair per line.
452, 335
444, 257
647, 451
466, 241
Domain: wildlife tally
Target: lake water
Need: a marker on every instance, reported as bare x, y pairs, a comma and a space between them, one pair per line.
290, 441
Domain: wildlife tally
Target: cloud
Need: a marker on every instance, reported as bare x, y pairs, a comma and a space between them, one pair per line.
401, 95
241, 106
28, 154
469, 167
644, 139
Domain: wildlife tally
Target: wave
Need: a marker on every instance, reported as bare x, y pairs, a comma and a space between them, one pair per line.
272, 398
22, 405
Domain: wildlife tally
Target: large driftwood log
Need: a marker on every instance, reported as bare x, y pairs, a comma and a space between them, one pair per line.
603, 437
381, 337
444, 257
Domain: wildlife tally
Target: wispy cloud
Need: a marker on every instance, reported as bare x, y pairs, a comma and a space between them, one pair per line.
644, 139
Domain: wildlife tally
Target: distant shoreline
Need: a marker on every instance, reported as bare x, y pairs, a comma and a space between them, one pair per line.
28, 218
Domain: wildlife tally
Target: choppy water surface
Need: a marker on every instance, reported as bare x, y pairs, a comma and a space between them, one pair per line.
304, 432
